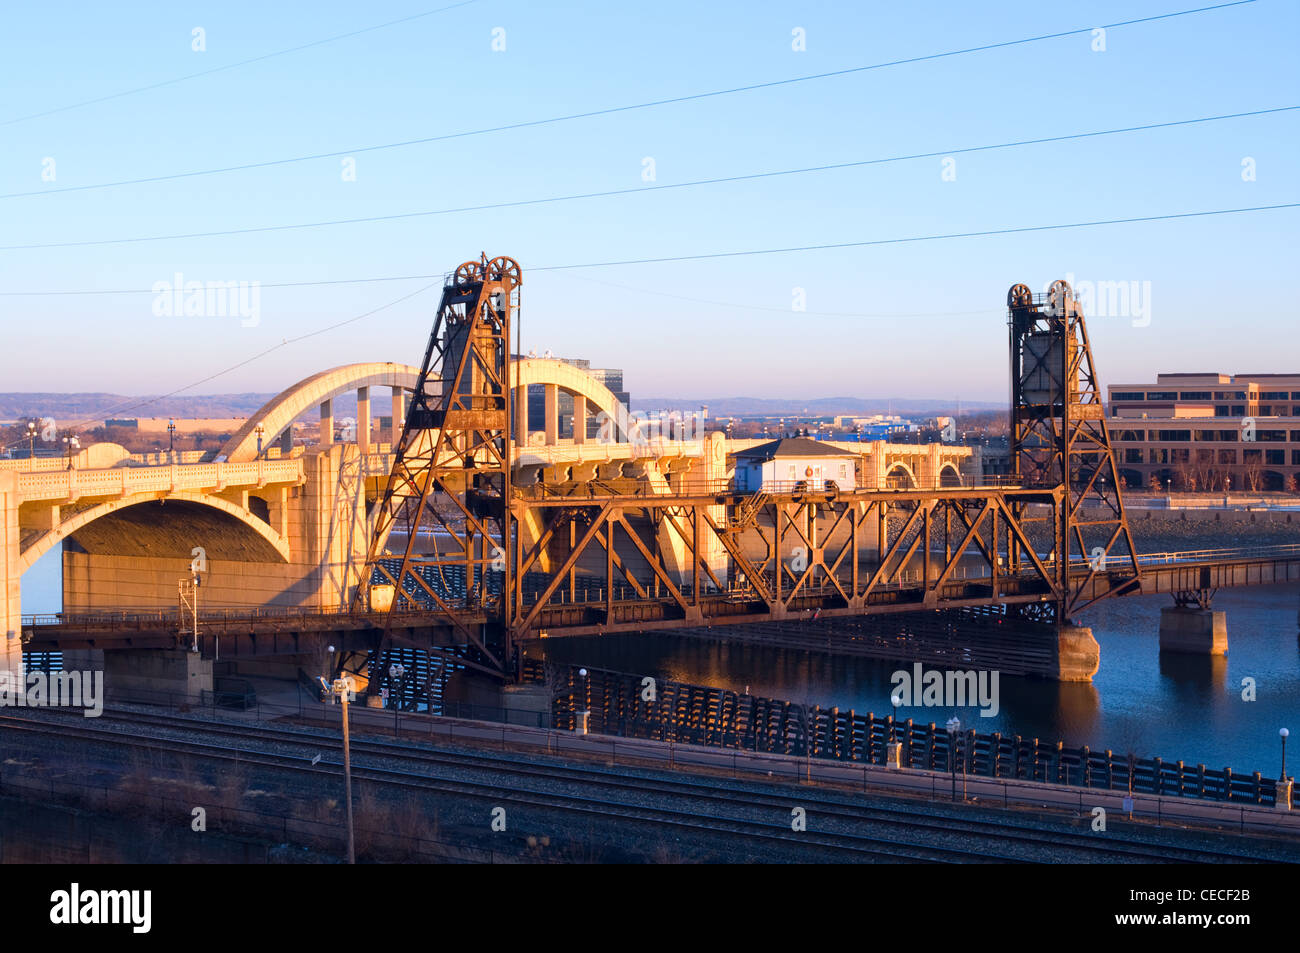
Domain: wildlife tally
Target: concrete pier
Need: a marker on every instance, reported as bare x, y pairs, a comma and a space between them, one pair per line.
1193, 630
1078, 656
143, 675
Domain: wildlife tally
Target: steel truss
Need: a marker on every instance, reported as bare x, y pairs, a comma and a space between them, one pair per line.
636, 562
1059, 439
445, 500
501, 564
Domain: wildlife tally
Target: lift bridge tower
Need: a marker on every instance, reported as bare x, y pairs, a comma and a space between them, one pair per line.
1059, 440
445, 508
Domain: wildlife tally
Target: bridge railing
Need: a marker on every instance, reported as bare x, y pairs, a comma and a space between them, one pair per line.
70, 483
133, 616
703, 715
702, 487
1277, 551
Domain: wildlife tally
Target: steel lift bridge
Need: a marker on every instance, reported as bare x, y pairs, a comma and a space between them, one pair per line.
498, 564
479, 544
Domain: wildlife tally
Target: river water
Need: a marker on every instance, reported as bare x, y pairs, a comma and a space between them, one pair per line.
1172, 706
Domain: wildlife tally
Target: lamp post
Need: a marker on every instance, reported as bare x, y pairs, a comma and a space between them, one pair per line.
71, 445
1282, 733
259, 430
953, 725
195, 646
584, 715
395, 672
31, 445
171, 432
342, 689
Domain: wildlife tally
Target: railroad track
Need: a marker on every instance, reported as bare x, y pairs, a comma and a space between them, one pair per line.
823, 804
843, 846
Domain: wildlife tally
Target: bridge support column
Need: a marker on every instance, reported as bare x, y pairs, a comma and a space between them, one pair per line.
1193, 630
363, 419
928, 477
579, 418
874, 478
286, 441
1078, 656
399, 416
552, 393
11, 645
327, 423
521, 415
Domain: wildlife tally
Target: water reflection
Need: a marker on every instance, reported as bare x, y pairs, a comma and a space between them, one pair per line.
1171, 705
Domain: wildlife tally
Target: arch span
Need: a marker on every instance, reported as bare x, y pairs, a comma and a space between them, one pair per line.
572, 380
267, 544
949, 475
900, 476
292, 402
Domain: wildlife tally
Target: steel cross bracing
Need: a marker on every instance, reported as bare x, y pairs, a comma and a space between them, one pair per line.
502, 564
445, 501
794, 556
1059, 439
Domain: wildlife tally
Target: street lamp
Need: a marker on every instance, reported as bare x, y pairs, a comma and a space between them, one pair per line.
31, 445
259, 430
171, 431
395, 672
1282, 733
342, 689
71, 445
584, 715
953, 725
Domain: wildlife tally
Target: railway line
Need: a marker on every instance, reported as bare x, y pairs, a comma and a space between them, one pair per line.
840, 826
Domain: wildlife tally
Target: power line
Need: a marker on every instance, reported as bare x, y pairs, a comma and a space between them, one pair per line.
230, 66
918, 238
278, 284
729, 254
122, 408
817, 314
624, 108
678, 258
645, 189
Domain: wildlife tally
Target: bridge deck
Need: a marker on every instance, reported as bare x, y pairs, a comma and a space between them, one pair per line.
296, 630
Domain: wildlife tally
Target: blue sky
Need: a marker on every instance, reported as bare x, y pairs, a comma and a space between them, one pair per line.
917, 319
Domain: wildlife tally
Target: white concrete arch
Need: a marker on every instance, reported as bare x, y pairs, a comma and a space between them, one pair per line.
321, 388
47, 541
956, 472
590, 397
317, 390
904, 468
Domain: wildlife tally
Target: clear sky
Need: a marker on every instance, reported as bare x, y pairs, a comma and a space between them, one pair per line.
921, 319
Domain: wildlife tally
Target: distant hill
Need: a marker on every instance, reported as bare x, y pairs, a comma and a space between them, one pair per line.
95, 407
815, 407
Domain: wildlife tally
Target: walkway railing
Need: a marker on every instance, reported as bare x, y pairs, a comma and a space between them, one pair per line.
1277, 551
696, 714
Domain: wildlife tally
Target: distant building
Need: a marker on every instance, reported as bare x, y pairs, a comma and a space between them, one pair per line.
1208, 432
783, 464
